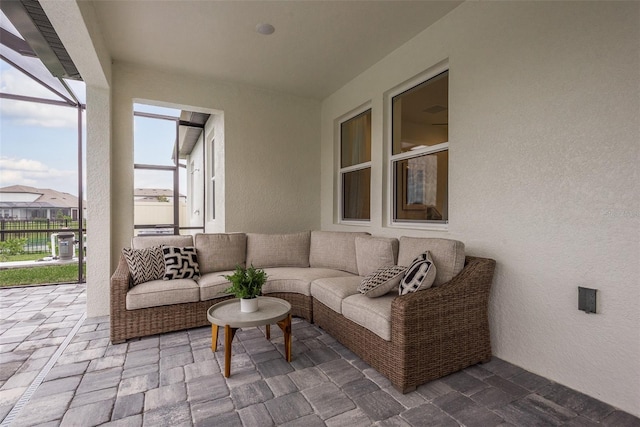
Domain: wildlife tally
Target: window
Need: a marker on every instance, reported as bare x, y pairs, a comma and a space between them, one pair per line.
420, 152
355, 168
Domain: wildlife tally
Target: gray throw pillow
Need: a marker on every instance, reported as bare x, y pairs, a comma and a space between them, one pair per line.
180, 263
420, 275
144, 264
381, 281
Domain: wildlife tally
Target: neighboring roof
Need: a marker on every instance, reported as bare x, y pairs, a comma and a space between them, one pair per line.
153, 192
48, 198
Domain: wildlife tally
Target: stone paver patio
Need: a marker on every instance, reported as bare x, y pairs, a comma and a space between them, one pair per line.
59, 368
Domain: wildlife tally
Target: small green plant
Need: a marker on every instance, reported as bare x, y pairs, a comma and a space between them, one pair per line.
246, 282
12, 247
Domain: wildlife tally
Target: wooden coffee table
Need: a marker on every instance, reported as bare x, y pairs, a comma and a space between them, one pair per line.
228, 314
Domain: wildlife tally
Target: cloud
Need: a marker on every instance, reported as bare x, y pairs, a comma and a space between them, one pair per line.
36, 174
32, 113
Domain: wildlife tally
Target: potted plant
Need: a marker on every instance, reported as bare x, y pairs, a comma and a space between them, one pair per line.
246, 284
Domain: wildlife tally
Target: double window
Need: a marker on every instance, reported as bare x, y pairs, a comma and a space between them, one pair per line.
355, 167
418, 159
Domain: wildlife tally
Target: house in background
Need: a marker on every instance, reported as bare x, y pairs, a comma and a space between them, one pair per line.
542, 150
22, 202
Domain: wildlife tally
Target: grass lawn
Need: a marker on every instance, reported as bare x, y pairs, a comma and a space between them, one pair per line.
24, 257
39, 275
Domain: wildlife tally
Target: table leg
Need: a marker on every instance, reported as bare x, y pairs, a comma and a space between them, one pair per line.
268, 331
214, 337
229, 333
285, 325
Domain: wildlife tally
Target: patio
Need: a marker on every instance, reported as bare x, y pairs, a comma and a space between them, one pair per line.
58, 368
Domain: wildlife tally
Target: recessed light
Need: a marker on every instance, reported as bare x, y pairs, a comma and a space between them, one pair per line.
265, 29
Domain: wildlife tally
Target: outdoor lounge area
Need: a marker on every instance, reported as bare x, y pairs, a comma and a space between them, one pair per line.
507, 129
175, 379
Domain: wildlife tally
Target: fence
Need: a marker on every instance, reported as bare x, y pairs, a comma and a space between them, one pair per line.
37, 232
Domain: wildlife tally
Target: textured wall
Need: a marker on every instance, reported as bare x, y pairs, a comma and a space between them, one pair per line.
544, 130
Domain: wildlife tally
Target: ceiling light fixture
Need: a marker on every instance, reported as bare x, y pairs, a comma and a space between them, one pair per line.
265, 29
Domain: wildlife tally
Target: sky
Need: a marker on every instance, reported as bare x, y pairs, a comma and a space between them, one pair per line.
38, 142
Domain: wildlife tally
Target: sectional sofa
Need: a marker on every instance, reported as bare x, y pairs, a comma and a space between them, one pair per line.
411, 339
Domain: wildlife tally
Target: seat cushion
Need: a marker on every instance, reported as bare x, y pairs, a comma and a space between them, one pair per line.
162, 292
221, 251
140, 242
298, 280
373, 253
448, 255
332, 290
335, 250
371, 313
212, 285
278, 250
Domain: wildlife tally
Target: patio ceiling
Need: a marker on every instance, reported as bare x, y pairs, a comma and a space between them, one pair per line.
317, 47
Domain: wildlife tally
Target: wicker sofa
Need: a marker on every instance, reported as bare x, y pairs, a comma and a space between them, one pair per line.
411, 339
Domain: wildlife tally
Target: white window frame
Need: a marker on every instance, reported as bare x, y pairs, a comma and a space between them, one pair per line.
212, 193
342, 171
392, 158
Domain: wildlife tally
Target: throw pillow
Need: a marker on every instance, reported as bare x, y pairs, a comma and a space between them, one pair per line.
180, 263
420, 275
144, 264
381, 281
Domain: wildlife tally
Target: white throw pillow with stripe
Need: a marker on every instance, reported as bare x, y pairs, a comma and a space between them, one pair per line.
420, 275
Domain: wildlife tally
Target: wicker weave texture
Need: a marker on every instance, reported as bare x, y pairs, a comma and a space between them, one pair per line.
434, 332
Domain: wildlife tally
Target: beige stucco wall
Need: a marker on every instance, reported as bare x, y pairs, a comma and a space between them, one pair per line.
544, 130
271, 169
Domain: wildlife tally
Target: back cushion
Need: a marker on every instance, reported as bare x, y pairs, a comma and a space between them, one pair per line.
142, 242
373, 253
334, 249
221, 252
448, 255
278, 250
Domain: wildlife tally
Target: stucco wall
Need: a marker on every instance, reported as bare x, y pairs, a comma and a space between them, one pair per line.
543, 175
271, 168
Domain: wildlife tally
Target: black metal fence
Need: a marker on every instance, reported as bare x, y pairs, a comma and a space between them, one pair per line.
37, 232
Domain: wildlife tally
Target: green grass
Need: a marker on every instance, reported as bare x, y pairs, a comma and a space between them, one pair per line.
23, 257
39, 275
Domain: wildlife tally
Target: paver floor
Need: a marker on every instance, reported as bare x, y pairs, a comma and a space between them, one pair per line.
175, 379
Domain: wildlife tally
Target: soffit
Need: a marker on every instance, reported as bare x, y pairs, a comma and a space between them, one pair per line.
318, 46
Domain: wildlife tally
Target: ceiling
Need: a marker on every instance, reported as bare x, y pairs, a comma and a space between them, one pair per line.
317, 47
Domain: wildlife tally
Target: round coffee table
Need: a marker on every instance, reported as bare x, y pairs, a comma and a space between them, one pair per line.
228, 314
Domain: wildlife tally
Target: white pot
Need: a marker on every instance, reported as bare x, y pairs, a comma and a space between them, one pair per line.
248, 305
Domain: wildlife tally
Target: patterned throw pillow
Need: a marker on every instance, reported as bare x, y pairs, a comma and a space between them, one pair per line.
180, 263
420, 275
381, 281
144, 264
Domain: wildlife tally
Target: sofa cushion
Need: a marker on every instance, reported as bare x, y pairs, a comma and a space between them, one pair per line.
420, 275
382, 281
220, 251
296, 279
162, 292
180, 263
331, 291
278, 250
373, 253
335, 250
144, 264
448, 255
212, 285
140, 242
371, 313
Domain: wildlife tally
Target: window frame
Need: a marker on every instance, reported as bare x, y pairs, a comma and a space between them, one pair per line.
353, 168
392, 159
